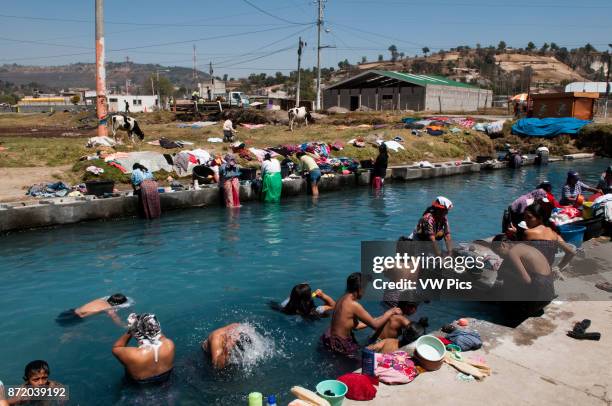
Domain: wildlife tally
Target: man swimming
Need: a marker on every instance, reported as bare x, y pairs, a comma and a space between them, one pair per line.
153, 359
103, 304
221, 342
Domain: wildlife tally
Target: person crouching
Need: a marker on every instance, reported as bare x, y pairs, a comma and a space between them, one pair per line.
146, 188
229, 173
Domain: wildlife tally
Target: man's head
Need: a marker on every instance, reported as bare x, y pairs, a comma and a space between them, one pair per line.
243, 340
353, 284
116, 299
573, 177
501, 245
609, 172
546, 185
408, 308
267, 157
36, 373
144, 327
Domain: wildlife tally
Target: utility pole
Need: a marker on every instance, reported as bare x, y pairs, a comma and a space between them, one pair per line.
301, 44
100, 71
607, 84
319, 25
127, 75
195, 66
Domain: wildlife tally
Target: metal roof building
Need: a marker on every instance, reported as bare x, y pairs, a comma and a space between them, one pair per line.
390, 90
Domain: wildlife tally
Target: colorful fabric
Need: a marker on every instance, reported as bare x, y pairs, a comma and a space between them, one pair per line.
272, 187
360, 387
347, 346
429, 226
395, 368
149, 200
231, 192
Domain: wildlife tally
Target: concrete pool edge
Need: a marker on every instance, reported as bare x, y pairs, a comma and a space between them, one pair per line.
68, 210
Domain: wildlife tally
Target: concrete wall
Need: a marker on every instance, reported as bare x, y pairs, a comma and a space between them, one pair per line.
403, 98
451, 98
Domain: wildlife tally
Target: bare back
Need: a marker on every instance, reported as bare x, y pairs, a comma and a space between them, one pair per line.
344, 319
140, 362
93, 307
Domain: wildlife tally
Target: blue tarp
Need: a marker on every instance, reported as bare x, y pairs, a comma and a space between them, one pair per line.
548, 127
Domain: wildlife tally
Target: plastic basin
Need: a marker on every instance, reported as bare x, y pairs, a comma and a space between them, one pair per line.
429, 352
572, 234
338, 388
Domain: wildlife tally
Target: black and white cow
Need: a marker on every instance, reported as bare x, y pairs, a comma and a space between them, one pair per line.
125, 123
298, 114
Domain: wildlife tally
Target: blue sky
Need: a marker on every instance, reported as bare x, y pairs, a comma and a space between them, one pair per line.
240, 39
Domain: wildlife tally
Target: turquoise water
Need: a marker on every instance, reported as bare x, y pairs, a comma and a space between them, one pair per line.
200, 269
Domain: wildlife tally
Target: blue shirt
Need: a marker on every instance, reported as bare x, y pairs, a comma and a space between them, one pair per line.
138, 175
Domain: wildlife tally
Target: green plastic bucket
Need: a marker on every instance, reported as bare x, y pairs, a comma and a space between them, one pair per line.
338, 388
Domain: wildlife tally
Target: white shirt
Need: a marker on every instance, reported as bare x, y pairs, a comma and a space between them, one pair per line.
228, 126
271, 166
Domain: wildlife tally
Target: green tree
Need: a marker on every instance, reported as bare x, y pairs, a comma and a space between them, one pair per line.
501, 46
425, 50
401, 55
75, 99
394, 54
364, 59
163, 87
225, 77
554, 47
544, 48
588, 48
530, 46
381, 58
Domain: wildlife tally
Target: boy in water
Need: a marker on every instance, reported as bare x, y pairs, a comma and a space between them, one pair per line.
104, 304
222, 341
35, 375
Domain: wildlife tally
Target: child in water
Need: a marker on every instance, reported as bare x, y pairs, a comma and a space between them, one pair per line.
300, 302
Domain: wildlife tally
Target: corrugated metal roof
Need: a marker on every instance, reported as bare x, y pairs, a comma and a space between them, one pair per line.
595, 87
422, 80
393, 76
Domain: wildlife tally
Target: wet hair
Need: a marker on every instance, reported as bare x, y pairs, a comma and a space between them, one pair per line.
117, 299
139, 166
546, 185
382, 148
609, 170
243, 340
300, 301
35, 366
408, 307
414, 331
498, 240
353, 282
538, 211
267, 157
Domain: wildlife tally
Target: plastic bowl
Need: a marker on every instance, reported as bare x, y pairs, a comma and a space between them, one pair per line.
430, 352
338, 388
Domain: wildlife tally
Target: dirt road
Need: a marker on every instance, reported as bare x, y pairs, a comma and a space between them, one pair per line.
15, 179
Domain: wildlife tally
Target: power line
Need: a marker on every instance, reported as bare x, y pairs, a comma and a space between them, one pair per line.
479, 5
261, 10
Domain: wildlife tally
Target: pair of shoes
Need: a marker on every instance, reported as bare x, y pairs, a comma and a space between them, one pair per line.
579, 331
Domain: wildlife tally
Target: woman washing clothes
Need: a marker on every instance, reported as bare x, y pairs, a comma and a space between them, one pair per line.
380, 167
272, 181
572, 192
153, 359
145, 187
349, 315
300, 302
605, 182
513, 215
433, 225
229, 172
308, 164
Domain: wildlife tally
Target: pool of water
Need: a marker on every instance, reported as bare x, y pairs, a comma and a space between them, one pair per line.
200, 269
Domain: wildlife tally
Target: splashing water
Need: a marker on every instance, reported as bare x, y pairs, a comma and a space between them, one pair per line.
257, 348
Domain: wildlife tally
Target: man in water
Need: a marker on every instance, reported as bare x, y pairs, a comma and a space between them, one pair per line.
350, 315
153, 359
104, 304
221, 342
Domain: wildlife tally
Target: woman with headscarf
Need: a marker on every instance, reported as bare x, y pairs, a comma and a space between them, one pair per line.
272, 180
145, 187
513, 215
605, 182
380, 166
572, 192
229, 172
151, 362
433, 225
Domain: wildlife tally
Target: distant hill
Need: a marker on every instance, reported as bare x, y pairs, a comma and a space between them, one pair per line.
83, 75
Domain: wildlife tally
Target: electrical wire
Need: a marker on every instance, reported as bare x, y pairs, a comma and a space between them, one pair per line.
261, 10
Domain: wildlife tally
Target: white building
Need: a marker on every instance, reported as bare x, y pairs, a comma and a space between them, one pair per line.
138, 103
